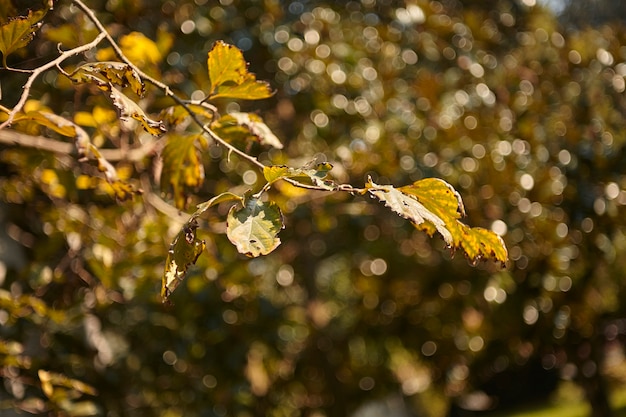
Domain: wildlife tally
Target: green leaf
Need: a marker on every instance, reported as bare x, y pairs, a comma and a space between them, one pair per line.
18, 32
254, 228
315, 175
182, 167
229, 76
184, 251
128, 108
257, 128
103, 73
433, 205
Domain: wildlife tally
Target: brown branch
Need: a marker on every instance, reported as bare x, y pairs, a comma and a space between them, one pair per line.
166, 89
11, 137
37, 71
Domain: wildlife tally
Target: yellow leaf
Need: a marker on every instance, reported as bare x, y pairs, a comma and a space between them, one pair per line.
229, 76
433, 205
184, 251
18, 32
182, 167
140, 49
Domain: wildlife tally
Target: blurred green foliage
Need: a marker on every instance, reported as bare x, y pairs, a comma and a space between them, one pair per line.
524, 117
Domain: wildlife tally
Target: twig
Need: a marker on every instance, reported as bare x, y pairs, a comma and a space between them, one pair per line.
166, 89
185, 104
37, 71
12, 137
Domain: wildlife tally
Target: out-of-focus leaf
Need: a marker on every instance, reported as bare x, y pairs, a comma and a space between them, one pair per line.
18, 32
138, 48
433, 205
60, 125
257, 128
103, 73
184, 251
229, 76
128, 108
84, 147
182, 167
7, 10
80, 408
50, 380
177, 115
315, 176
254, 228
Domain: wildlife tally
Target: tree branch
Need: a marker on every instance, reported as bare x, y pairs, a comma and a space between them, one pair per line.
37, 71
12, 137
166, 89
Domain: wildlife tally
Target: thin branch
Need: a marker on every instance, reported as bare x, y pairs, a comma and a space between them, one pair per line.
37, 71
166, 89
185, 104
12, 137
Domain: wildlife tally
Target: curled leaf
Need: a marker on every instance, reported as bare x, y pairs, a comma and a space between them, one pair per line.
103, 73
184, 251
433, 205
186, 247
128, 108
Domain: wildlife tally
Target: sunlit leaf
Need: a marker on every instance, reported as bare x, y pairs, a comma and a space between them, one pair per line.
128, 108
182, 167
103, 73
479, 243
229, 76
109, 73
254, 228
434, 205
184, 252
257, 128
51, 380
58, 124
315, 175
409, 207
18, 32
